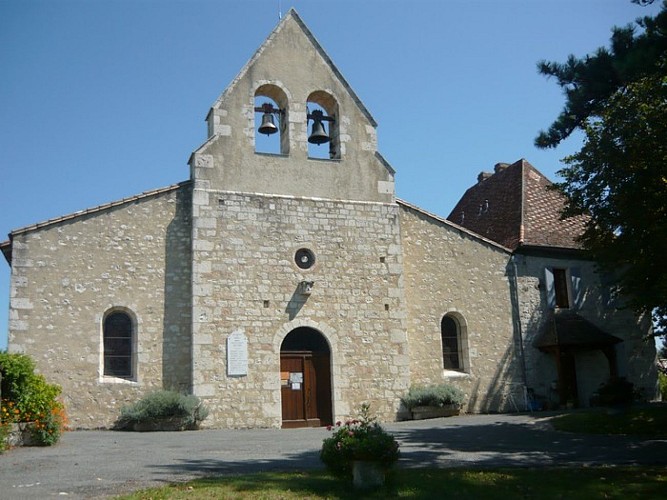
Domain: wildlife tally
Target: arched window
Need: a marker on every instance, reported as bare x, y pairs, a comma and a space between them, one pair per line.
452, 344
118, 339
323, 122
271, 120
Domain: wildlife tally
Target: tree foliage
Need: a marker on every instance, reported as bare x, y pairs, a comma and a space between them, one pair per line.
618, 97
588, 83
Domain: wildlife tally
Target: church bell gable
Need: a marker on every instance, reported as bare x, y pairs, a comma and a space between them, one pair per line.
322, 138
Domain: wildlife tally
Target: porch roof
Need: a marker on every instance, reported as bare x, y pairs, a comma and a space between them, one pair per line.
567, 329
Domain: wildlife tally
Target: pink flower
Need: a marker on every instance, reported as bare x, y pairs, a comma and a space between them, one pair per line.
329, 427
338, 423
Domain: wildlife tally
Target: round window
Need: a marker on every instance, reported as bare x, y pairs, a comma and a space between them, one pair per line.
304, 258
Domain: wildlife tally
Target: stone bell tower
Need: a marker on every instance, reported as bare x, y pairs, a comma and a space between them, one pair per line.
295, 251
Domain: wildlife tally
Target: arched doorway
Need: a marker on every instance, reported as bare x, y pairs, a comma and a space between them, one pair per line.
305, 379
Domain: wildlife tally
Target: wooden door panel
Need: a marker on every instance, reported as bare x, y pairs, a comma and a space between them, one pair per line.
309, 403
309, 390
321, 365
292, 396
567, 378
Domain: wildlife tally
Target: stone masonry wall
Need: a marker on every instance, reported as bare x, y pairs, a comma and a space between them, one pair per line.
635, 356
245, 279
67, 274
447, 270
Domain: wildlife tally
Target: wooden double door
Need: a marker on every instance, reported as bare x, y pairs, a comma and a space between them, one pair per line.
305, 380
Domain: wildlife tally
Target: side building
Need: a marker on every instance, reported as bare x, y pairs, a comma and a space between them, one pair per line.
575, 335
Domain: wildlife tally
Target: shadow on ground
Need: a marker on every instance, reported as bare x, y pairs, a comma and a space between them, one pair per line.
531, 443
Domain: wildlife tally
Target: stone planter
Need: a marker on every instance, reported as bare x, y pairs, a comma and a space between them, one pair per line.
163, 424
367, 475
21, 435
424, 412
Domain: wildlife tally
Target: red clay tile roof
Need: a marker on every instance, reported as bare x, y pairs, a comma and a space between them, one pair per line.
513, 207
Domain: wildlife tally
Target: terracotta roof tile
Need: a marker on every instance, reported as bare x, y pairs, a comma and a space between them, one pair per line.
514, 207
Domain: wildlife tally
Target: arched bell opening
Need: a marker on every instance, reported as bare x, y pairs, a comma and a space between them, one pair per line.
323, 126
305, 379
271, 131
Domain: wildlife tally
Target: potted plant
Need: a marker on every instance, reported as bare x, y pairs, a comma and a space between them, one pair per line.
360, 448
433, 401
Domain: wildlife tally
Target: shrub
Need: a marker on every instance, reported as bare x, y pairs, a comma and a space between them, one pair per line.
616, 392
662, 380
4, 434
362, 439
187, 410
433, 395
28, 397
16, 370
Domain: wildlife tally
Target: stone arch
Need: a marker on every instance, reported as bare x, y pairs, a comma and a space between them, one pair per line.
454, 328
111, 345
278, 97
306, 379
326, 102
325, 330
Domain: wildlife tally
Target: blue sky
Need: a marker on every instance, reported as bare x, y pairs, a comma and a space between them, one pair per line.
101, 100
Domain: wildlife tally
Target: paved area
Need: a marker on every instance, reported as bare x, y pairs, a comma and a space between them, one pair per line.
96, 464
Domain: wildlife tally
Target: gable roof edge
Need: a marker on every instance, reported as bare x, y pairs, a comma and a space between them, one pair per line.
6, 249
385, 163
293, 14
96, 209
522, 226
447, 222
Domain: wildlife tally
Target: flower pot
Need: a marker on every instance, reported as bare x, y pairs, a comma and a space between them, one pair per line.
424, 412
367, 474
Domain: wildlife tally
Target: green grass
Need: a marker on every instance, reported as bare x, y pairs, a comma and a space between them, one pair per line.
580, 483
648, 421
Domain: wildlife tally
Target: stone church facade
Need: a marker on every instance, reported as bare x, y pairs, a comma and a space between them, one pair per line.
284, 288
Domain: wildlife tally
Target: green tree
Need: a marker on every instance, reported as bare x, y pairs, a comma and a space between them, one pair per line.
636, 50
618, 97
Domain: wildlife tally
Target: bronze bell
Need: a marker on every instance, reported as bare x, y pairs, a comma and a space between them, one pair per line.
267, 127
318, 134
